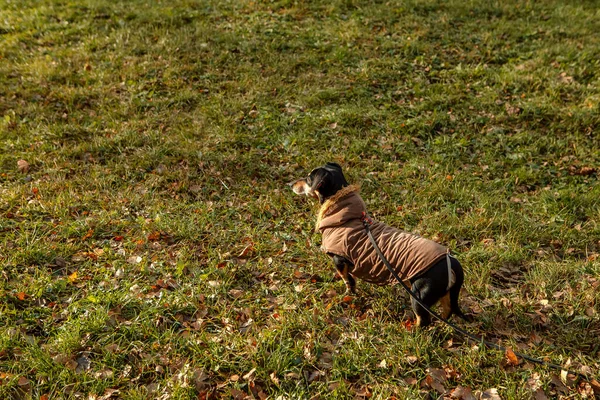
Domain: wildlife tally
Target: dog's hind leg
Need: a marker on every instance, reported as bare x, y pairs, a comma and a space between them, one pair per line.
446, 306
455, 291
343, 267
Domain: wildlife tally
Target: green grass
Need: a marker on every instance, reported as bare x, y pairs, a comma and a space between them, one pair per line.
153, 247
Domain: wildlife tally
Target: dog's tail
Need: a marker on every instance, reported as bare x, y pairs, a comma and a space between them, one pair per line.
455, 290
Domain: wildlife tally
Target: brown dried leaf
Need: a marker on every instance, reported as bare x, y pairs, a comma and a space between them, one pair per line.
411, 380
511, 357
108, 393
539, 395
512, 110
584, 171
24, 387
247, 251
73, 277
564, 78
83, 364
200, 379
411, 359
559, 386
534, 383
435, 379
274, 378
237, 394
491, 394
326, 360
595, 387
249, 375
154, 236
104, 373
23, 381
23, 166
363, 393
462, 393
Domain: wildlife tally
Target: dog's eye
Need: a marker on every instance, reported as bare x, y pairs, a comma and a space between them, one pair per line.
309, 181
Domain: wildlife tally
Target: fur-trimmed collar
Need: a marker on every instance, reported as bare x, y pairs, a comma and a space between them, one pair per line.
334, 199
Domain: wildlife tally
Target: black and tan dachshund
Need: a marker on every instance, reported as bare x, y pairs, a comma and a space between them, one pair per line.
431, 272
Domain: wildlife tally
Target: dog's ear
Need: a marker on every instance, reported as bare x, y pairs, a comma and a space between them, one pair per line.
334, 165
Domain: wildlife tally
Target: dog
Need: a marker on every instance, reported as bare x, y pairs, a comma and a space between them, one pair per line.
426, 266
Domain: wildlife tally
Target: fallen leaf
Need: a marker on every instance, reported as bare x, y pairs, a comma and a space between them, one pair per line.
326, 360
247, 251
511, 357
540, 395
60, 262
595, 387
564, 78
559, 385
23, 166
314, 375
23, 381
435, 379
411, 359
108, 393
249, 374
237, 394
363, 392
246, 326
134, 260
411, 380
104, 373
5, 375
154, 236
462, 393
83, 364
88, 235
491, 394
200, 380
24, 385
274, 378
73, 277
512, 110
534, 383
22, 296
289, 375
567, 378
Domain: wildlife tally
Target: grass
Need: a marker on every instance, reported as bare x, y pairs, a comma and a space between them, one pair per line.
151, 249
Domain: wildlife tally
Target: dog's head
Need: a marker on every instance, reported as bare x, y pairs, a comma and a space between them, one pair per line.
321, 183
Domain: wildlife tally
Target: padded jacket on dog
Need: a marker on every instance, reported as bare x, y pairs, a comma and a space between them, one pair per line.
344, 235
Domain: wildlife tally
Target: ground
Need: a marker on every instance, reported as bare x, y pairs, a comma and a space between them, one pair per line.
150, 247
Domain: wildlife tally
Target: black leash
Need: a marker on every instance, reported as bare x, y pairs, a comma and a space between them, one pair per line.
368, 221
